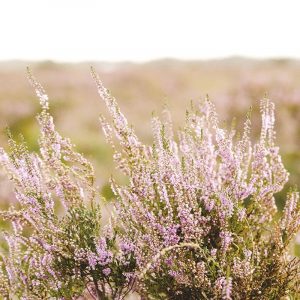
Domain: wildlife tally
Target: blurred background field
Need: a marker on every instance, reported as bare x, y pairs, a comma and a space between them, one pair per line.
233, 84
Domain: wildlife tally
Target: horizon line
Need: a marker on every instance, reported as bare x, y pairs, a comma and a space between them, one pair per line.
146, 61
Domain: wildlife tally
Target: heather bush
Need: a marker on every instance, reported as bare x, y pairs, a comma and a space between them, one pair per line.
197, 220
57, 247
200, 207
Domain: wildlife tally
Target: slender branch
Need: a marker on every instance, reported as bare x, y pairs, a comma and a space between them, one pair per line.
163, 252
91, 294
100, 294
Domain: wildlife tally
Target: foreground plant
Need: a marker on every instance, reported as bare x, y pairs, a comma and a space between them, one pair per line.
57, 248
200, 207
198, 219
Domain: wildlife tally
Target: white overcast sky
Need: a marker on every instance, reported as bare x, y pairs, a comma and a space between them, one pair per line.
139, 30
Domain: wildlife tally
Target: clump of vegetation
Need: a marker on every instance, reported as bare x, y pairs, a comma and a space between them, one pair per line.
200, 207
197, 220
57, 247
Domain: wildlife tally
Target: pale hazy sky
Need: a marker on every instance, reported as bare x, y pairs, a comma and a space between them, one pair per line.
138, 30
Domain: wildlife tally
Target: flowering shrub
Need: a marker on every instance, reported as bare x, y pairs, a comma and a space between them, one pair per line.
197, 220
200, 208
54, 255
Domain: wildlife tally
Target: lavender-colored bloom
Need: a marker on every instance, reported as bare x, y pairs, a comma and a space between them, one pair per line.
92, 260
106, 271
226, 239
126, 247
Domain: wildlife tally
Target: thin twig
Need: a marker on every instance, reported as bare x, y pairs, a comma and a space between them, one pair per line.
163, 252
